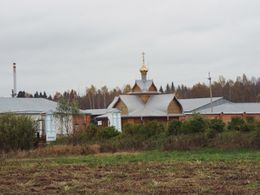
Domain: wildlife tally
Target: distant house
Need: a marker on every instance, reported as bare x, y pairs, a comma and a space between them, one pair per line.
193, 105
43, 112
145, 103
230, 110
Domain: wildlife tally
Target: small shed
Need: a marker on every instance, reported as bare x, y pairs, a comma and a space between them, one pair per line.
112, 118
106, 117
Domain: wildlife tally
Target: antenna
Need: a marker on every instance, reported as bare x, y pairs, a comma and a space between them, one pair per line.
210, 93
14, 92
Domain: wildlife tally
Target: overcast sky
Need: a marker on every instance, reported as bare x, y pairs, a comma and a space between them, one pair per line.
61, 44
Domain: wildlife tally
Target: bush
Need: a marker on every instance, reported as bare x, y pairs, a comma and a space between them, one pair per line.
238, 124
146, 130
196, 124
61, 140
141, 137
131, 130
257, 128
237, 140
256, 140
211, 133
251, 123
152, 128
174, 127
16, 132
186, 142
217, 124
106, 133
89, 135
90, 132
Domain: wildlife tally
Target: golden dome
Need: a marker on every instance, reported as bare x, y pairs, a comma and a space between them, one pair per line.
143, 68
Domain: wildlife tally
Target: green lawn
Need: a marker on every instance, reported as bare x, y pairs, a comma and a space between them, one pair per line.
158, 156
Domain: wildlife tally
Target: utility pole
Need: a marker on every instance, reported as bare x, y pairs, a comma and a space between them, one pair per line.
14, 92
210, 92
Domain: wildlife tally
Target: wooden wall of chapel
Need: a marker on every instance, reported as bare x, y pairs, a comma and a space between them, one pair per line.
136, 88
122, 107
174, 107
152, 88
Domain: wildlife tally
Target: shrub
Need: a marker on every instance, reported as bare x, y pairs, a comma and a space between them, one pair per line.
90, 132
211, 133
141, 137
152, 128
61, 140
236, 140
131, 129
196, 124
106, 133
238, 124
16, 132
217, 124
186, 142
146, 130
174, 127
257, 128
251, 123
256, 140
84, 135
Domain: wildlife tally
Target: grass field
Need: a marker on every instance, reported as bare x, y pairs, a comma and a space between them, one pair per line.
204, 171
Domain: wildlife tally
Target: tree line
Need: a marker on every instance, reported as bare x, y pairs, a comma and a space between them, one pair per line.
242, 89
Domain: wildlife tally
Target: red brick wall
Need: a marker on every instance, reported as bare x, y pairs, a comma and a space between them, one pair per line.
81, 121
225, 117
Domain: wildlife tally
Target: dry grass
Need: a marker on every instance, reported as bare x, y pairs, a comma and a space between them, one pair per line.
55, 150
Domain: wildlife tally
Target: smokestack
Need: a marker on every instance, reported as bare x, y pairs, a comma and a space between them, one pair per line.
14, 92
210, 93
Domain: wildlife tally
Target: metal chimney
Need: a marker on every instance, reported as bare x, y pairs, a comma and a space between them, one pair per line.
210, 93
14, 92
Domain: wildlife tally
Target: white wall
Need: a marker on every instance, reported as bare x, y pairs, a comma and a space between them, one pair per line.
63, 127
114, 119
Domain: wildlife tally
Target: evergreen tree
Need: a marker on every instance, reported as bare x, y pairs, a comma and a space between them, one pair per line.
167, 89
36, 95
44, 95
21, 94
172, 88
161, 89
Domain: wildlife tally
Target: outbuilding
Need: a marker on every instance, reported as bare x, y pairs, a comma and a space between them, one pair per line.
43, 112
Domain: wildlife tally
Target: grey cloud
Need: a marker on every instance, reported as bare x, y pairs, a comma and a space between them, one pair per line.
62, 44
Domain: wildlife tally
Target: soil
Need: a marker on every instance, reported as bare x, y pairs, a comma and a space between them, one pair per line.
185, 177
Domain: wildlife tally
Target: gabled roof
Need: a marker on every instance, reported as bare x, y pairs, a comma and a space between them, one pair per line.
156, 106
144, 85
98, 112
190, 105
132, 102
233, 108
94, 111
112, 104
27, 105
